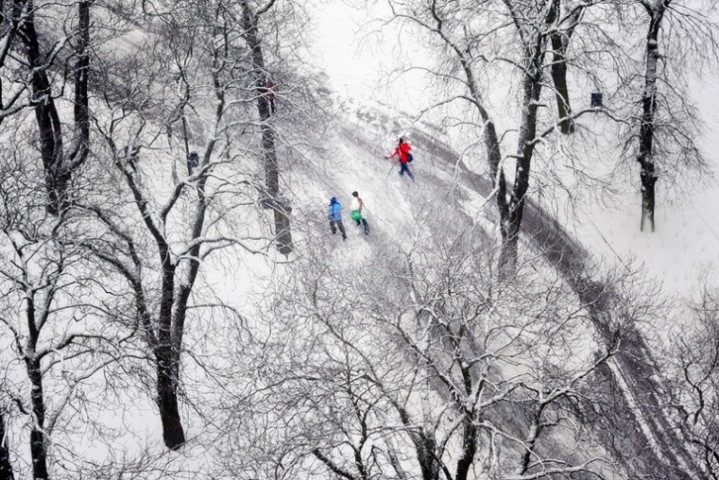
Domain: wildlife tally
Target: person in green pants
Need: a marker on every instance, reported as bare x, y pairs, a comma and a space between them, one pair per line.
357, 216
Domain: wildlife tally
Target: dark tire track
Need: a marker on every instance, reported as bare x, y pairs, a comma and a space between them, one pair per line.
635, 389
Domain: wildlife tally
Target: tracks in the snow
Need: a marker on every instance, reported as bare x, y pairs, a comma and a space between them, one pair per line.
648, 443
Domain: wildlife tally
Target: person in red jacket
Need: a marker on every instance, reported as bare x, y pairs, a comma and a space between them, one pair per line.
270, 90
402, 151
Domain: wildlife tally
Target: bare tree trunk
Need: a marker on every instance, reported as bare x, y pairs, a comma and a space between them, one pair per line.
38, 443
560, 43
645, 158
167, 374
272, 198
5, 466
168, 369
46, 116
58, 169
469, 447
511, 224
559, 78
79, 147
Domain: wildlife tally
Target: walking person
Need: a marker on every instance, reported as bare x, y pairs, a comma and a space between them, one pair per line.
271, 89
357, 216
402, 151
335, 216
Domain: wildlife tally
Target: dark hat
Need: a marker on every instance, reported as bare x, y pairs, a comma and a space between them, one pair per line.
355, 194
401, 140
333, 200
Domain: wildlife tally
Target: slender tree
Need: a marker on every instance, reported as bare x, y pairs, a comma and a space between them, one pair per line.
656, 10
651, 67
264, 88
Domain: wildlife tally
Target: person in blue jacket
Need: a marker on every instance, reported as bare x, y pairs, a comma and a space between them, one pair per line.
335, 216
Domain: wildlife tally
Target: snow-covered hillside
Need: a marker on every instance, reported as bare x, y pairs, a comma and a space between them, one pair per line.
155, 324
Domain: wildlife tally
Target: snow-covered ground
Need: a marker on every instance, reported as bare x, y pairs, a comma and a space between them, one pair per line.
359, 55
685, 245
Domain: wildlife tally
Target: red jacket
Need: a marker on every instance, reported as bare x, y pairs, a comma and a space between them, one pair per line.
402, 150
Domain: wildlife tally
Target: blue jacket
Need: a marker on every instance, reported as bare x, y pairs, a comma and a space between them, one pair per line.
335, 211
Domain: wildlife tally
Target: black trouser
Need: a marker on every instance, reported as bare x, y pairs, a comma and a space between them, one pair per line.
341, 227
364, 222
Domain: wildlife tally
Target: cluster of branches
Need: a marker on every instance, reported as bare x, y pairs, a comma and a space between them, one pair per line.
423, 365
694, 391
105, 231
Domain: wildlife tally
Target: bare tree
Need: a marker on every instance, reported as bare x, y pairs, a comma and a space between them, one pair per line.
264, 88
59, 159
193, 217
660, 134
47, 313
645, 74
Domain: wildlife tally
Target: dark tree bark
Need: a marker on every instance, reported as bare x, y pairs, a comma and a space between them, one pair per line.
647, 174
534, 45
6, 472
534, 39
167, 366
10, 16
58, 165
560, 39
559, 78
165, 350
173, 433
470, 439
271, 197
38, 442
